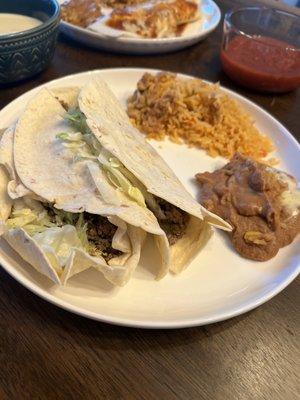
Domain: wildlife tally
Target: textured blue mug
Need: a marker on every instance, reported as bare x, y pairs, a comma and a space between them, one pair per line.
24, 54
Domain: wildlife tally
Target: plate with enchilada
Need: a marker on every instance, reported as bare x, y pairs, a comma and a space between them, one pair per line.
139, 27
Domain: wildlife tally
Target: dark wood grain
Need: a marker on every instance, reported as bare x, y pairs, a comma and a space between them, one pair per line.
48, 353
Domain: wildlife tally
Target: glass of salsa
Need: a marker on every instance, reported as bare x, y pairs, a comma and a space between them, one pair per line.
261, 49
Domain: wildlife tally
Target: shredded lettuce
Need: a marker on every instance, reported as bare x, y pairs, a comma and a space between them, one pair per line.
81, 227
57, 232
35, 221
87, 147
149, 198
31, 221
77, 120
83, 157
70, 137
57, 243
83, 142
123, 184
64, 217
93, 144
139, 192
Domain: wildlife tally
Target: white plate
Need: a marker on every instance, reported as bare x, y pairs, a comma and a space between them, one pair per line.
219, 284
194, 33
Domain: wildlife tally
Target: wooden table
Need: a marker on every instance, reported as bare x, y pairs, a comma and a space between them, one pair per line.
48, 353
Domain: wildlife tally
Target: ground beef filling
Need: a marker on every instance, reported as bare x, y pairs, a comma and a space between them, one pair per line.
249, 195
173, 220
100, 233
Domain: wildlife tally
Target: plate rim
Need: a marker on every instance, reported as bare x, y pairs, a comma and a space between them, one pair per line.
145, 41
135, 323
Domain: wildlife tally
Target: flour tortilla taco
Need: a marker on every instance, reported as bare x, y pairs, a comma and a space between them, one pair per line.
58, 243
185, 222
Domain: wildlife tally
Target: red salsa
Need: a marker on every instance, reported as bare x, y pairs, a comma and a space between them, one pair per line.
262, 63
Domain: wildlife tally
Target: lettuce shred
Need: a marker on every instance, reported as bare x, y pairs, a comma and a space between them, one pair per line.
86, 147
37, 221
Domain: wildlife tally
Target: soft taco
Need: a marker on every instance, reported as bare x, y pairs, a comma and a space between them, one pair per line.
78, 153
185, 222
59, 243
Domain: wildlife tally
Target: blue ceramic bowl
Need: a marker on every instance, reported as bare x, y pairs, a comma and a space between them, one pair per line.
27, 53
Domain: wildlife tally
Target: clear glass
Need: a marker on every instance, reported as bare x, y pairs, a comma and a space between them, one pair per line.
261, 48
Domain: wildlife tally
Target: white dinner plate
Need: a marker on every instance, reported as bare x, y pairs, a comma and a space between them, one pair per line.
219, 284
193, 33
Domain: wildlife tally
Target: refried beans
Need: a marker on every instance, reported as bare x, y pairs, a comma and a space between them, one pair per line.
261, 203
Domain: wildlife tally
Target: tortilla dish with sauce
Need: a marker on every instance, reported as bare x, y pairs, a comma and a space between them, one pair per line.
147, 19
76, 190
261, 203
156, 19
